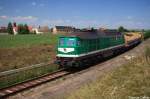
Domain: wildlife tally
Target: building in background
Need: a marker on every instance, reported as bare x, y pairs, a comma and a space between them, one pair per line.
3, 29
36, 31
41, 30
44, 29
15, 28
63, 29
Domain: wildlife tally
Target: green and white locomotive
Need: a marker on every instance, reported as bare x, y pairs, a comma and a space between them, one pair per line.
84, 47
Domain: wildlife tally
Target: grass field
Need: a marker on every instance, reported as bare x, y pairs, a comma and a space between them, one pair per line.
17, 51
11, 41
131, 81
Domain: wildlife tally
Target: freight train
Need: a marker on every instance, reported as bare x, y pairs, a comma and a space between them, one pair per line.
85, 47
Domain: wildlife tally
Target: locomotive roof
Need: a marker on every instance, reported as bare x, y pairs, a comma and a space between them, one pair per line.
93, 34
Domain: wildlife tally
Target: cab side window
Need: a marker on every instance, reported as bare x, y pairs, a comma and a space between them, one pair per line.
62, 42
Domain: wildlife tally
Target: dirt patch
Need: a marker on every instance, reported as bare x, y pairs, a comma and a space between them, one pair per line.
12, 58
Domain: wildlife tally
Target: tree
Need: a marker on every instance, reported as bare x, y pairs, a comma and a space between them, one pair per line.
26, 29
10, 28
122, 29
20, 29
23, 29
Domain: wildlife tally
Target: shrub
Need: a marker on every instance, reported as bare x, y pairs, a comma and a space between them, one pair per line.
147, 34
23, 29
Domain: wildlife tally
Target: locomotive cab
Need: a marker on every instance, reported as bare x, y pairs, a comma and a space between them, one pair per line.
67, 50
67, 46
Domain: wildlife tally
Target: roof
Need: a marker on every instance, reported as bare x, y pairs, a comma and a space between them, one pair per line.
89, 34
63, 27
93, 34
111, 33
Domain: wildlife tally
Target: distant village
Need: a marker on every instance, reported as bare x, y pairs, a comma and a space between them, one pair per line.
14, 29
37, 30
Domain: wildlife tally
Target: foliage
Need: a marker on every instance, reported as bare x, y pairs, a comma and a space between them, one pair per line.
122, 29
25, 75
10, 28
147, 34
23, 29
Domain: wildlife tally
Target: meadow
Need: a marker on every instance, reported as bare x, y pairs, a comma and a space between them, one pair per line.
17, 51
12, 41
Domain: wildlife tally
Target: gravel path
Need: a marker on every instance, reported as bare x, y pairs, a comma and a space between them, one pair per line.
59, 88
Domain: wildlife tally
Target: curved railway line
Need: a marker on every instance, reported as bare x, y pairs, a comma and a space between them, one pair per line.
11, 90
4, 92
16, 88
8, 91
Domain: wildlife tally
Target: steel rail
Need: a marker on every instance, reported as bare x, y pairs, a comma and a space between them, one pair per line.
5, 92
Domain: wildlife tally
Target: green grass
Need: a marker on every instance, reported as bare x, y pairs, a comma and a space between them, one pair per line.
129, 81
11, 41
22, 76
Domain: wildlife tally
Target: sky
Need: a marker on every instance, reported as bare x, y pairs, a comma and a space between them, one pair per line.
132, 14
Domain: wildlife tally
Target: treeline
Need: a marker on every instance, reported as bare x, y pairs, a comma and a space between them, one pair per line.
146, 33
122, 29
20, 28
23, 29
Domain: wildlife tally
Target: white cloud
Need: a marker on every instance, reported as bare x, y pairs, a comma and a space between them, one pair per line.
33, 3
19, 19
24, 18
3, 17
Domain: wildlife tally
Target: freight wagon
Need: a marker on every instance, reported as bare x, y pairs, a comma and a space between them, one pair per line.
86, 47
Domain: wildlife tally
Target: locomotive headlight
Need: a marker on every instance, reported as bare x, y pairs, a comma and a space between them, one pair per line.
66, 50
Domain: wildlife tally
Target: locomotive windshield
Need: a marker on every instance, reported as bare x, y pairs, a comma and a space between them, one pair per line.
67, 42
71, 42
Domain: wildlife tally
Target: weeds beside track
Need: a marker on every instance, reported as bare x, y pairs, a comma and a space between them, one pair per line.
4, 92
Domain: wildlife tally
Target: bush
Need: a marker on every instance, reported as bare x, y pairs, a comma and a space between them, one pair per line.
147, 34
23, 29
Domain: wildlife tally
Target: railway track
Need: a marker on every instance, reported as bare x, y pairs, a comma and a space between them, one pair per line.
5, 92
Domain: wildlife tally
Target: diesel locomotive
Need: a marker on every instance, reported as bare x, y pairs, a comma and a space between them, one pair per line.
85, 47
